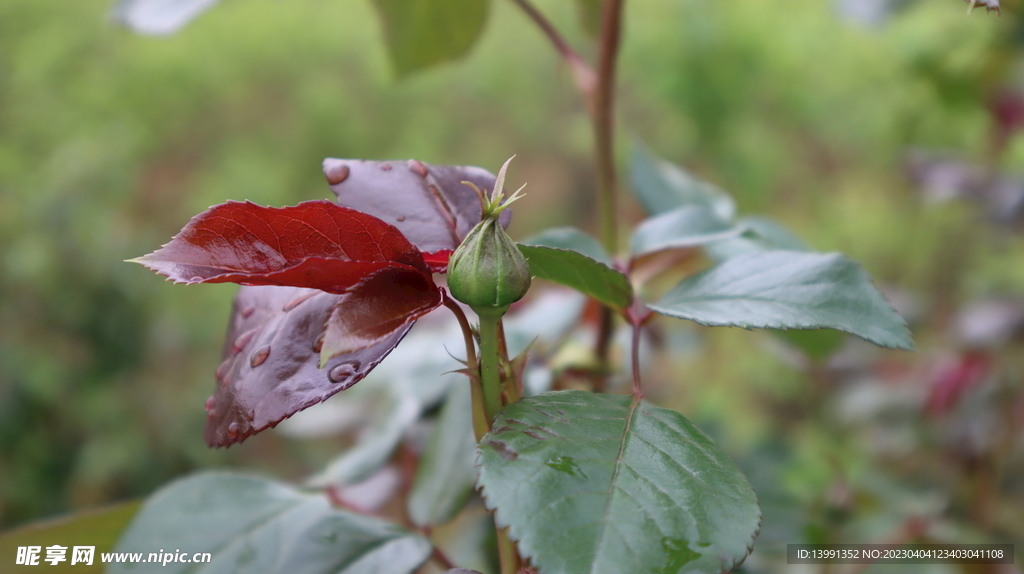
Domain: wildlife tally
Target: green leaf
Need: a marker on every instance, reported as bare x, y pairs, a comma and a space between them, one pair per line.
761, 234
682, 227
662, 186
98, 528
600, 484
570, 238
422, 33
159, 17
445, 477
789, 290
248, 523
590, 15
582, 273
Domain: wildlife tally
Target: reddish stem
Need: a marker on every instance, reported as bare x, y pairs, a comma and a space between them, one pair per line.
467, 331
582, 73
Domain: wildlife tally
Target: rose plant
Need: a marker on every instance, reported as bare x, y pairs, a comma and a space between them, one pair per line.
577, 480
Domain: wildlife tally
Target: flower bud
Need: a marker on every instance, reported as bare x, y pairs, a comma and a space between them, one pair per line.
488, 271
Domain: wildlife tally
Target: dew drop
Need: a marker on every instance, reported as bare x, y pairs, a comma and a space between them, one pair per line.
247, 312
400, 218
297, 301
565, 464
212, 413
342, 372
209, 405
222, 370
251, 414
336, 173
385, 167
242, 341
196, 279
259, 356
416, 166
233, 431
318, 343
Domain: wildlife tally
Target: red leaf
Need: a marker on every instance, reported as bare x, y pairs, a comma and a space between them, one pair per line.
438, 261
314, 244
371, 311
428, 203
271, 356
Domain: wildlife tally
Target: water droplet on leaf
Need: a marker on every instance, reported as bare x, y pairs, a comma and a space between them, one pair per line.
417, 167
259, 356
336, 173
567, 465
242, 341
222, 370
342, 372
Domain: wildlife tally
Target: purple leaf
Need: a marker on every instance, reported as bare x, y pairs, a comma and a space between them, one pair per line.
271, 357
428, 203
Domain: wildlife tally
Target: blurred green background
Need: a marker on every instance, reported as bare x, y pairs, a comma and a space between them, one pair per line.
886, 130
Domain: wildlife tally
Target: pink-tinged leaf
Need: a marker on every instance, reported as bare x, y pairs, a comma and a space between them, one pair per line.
438, 261
315, 244
428, 203
271, 368
370, 312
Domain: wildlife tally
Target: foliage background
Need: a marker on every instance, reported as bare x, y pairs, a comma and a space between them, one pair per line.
110, 141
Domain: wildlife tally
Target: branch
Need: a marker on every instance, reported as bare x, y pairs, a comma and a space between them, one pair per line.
604, 121
582, 73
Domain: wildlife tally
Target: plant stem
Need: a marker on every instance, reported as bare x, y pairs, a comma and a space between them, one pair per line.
481, 424
602, 111
582, 73
598, 89
467, 331
490, 360
637, 315
604, 121
507, 553
441, 559
638, 391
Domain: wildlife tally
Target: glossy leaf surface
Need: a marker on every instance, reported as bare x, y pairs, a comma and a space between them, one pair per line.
570, 238
159, 17
788, 290
376, 308
428, 203
422, 33
252, 524
445, 477
270, 368
586, 275
315, 244
662, 186
393, 397
686, 226
600, 484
